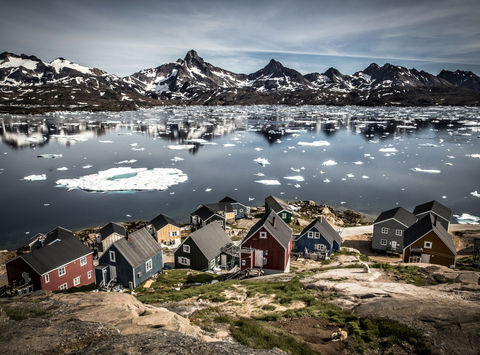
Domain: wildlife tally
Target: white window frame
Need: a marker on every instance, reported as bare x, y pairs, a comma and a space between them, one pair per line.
244, 262
174, 234
398, 232
76, 281
112, 256
63, 286
427, 244
89, 274
183, 261
148, 265
234, 212
60, 269
317, 235
265, 253
186, 248
265, 261
47, 278
384, 230
383, 242
263, 235
83, 261
241, 210
311, 234
284, 215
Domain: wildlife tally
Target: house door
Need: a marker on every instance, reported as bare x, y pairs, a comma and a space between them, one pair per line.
223, 260
113, 272
258, 258
425, 258
394, 244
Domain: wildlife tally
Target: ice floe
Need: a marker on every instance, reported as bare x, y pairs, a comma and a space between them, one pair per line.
181, 146
228, 145
131, 161
268, 182
358, 162
314, 144
208, 189
105, 142
326, 181
475, 193
138, 149
427, 171
258, 149
87, 166
295, 178
35, 177
329, 163
63, 168
259, 174
50, 156
477, 156
466, 218
126, 179
388, 150
261, 161
177, 159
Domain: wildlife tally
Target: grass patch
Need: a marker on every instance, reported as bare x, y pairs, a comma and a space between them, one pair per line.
409, 274
86, 288
27, 311
269, 307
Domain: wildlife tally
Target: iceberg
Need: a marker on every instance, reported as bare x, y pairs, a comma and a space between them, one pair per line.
105, 142
466, 218
427, 171
35, 177
262, 161
295, 178
329, 163
87, 166
475, 193
63, 168
314, 144
177, 159
181, 146
268, 182
326, 181
227, 145
388, 150
126, 179
473, 155
358, 162
50, 156
258, 149
208, 189
131, 161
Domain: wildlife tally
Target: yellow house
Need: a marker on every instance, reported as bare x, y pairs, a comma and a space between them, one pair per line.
109, 234
165, 229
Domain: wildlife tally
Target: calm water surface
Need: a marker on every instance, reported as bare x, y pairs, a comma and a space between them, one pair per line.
363, 158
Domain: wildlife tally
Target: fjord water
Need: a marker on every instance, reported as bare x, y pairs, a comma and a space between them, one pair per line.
380, 158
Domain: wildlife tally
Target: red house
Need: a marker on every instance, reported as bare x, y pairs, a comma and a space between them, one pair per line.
267, 245
60, 265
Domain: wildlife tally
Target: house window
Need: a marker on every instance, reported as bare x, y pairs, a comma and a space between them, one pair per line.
244, 262
63, 286
83, 261
263, 235
311, 234
384, 230
186, 248
221, 223
61, 271
264, 261
317, 235
174, 234
234, 212
265, 253
47, 278
112, 256
183, 261
398, 232
383, 242
284, 215
89, 274
427, 245
241, 210
76, 281
320, 247
148, 265
139, 274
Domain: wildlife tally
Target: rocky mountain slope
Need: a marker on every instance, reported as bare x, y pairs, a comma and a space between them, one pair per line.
29, 84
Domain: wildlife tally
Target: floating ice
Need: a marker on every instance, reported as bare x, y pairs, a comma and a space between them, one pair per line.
358, 162
133, 144
87, 166
63, 168
314, 144
350, 175
258, 149
50, 156
295, 170
126, 179
138, 149
329, 163
475, 193
466, 218
449, 164
105, 142
297, 186
251, 198
131, 161
208, 189
177, 159
196, 140
46, 204
228, 145
428, 171
428, 145
259, 174
181, 146
268, 182
262, 161
326, 181
388, 150
473, 155
295, 178
365, 177
35, 177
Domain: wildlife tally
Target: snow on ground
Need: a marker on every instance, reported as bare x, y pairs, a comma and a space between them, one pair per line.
268, 182
427, 171
314, 144
35, 177
126, 179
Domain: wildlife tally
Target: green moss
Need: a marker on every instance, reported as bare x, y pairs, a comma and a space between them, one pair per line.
26, 311
269, 307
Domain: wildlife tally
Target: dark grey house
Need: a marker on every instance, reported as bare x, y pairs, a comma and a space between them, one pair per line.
130, 261
389, 228
443, 213
204, 215
280, 207
239, 209
202, 250
56, 234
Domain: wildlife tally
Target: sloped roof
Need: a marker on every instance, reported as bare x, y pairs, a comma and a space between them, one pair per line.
228, 199
52, 256
400, 214
58, 233
162, 220
112, 227
138, 247
328, 232
277, 204
203, 212
220, 207
435, 207
425, 225
281, 231
210, 239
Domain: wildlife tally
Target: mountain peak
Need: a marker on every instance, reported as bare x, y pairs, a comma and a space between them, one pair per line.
191, 54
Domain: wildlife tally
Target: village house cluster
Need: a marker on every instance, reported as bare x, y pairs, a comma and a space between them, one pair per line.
59, 261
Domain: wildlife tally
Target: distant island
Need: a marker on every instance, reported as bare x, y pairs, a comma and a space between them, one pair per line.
30, 85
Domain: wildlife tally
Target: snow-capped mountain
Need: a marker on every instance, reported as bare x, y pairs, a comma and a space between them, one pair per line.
28, 84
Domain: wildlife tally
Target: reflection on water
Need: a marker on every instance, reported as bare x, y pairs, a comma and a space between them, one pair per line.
364, 158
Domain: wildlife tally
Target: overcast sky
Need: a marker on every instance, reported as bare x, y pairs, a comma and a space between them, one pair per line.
122, 37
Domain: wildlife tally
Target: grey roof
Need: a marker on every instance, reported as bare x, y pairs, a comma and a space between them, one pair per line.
58, 233
228, 199
138, 247
203, 212
435, 207
220, 207
279, 229
162, 220
52, 256
425, 225
210, 239
398, 213
112, 227
277, 204
328, 232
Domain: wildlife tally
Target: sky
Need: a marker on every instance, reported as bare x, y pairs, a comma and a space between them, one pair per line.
123, 37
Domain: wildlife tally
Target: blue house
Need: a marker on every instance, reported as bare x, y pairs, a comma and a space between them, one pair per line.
318, 237
130, 261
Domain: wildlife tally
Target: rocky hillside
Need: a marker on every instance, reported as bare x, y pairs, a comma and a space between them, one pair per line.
28, 84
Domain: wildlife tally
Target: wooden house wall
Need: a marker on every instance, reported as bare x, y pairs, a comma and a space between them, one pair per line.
16, 267
157, 265
440, 254
198, 261
123, 269
392, 226
304, 242
163, 235
276, 256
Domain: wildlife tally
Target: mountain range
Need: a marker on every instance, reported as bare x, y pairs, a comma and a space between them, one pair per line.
28, 84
